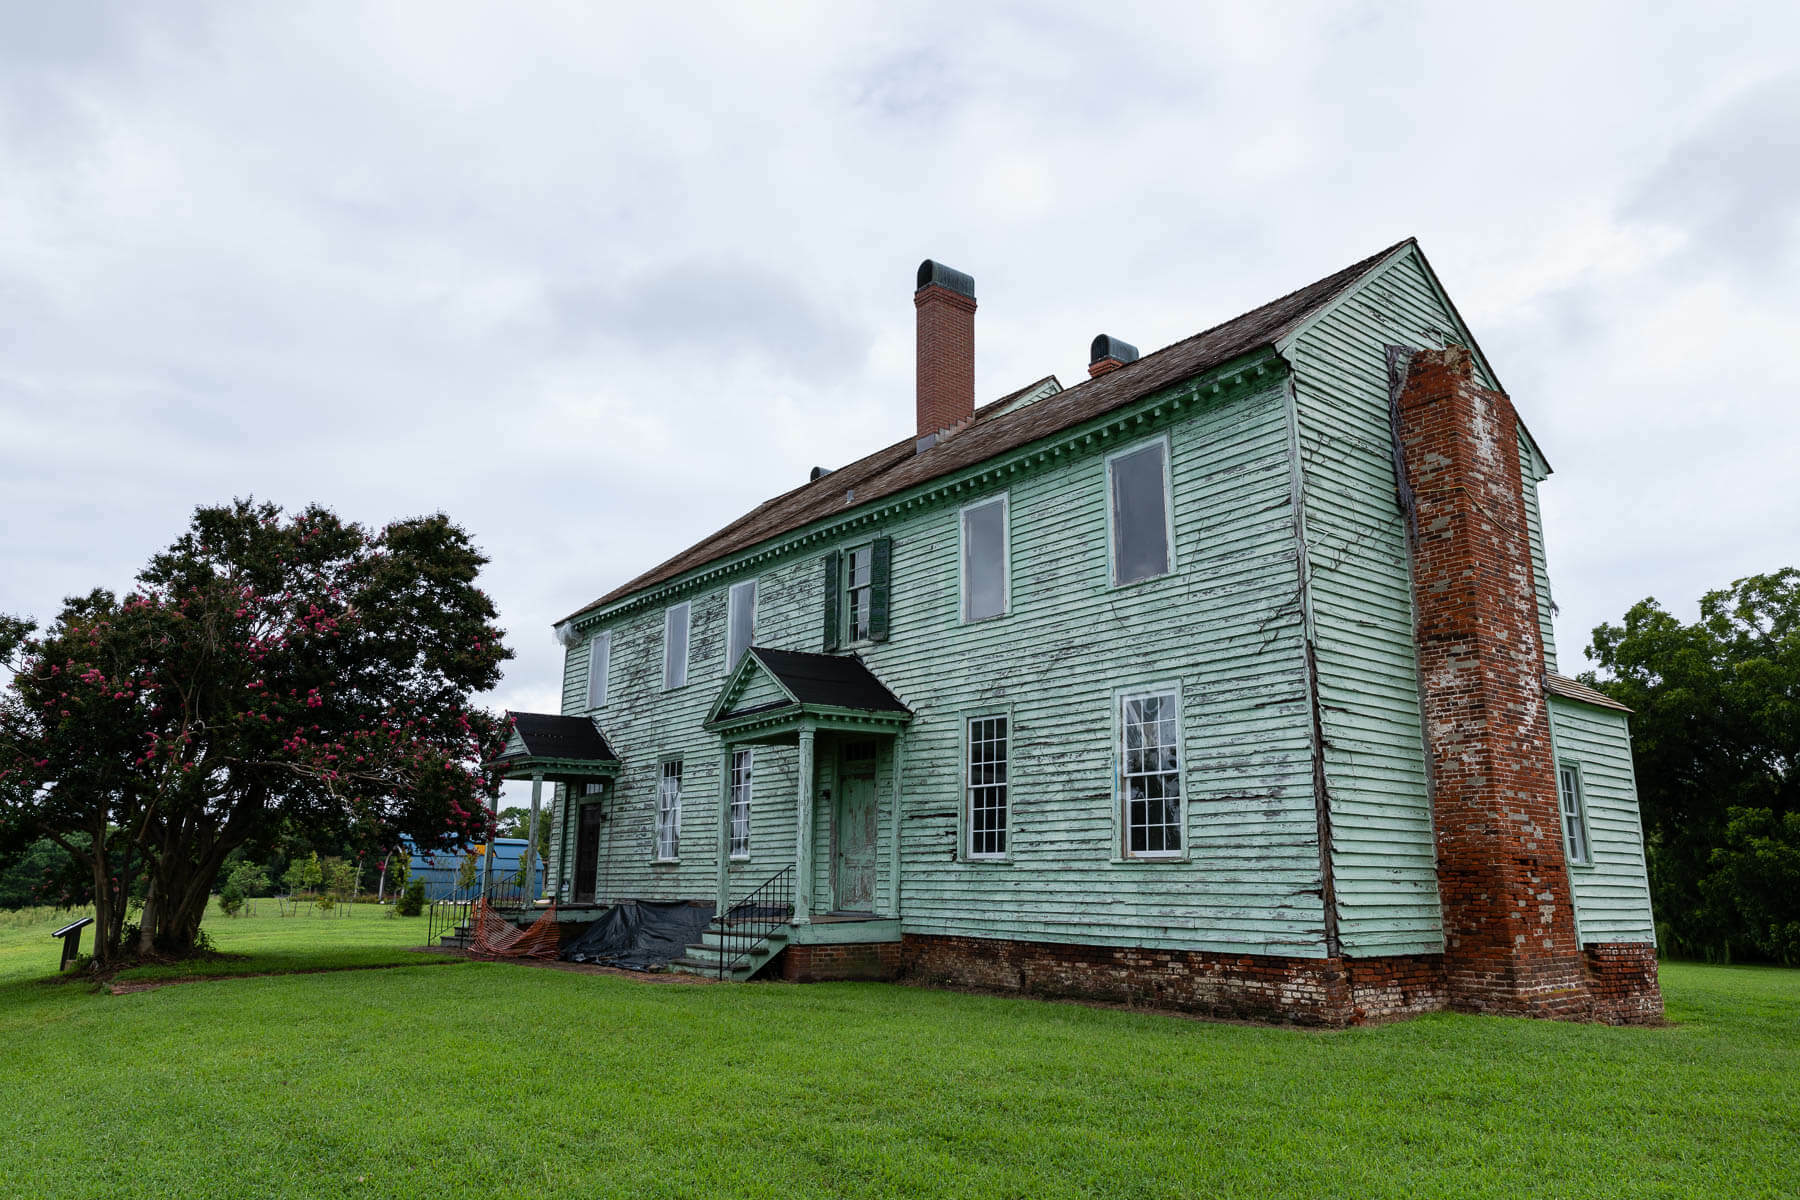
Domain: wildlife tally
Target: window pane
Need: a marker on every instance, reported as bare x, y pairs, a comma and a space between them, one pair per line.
599, 662
675, 646
742, 622
1150, 773
986, 786
1140, 519
741, 762
668, 812
984, 560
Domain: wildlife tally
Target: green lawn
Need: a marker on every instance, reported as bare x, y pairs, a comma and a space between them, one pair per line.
491, 1080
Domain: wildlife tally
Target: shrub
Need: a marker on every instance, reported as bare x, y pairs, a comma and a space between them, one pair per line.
412, 900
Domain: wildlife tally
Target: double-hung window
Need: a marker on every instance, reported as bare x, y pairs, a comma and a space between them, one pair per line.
859, 580
668, 812
599, 663
984, 559
1150, 772
1574, 817
741, 763
1137, 485
740, 623
675, 645
985, 786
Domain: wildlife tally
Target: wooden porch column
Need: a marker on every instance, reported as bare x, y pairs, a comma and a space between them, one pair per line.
803, 848
537, 799
724, 895
893, 848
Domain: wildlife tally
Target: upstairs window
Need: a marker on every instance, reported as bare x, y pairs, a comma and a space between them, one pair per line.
856, 594
599, 663
668, 812
1150, 772
1137, 482
984, 559
741, 764
1574, 818
740, 623
675, 645
985, 786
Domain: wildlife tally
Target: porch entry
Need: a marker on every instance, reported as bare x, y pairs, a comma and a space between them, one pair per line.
854, 829
587, 851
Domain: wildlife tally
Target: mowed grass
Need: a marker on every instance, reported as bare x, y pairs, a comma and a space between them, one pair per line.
494, 1080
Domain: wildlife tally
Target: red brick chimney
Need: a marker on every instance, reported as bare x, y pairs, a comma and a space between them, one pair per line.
945, 302
1108, 353
1510, 944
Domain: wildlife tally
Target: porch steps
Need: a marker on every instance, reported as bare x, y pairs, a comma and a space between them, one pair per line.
457, 939
702, 957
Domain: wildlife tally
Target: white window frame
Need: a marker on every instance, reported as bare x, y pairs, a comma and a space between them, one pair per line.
599, 650
735, 654
1121, 787
668, 812
1567, 769
1112, 533
1004, 500
848, 635
743, 782
687, 644
969, 785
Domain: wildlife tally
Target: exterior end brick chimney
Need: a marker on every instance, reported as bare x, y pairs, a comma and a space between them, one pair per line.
1108, 353
1510, 944
945, 303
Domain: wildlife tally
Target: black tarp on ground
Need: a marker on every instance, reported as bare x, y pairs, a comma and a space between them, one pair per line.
641, 935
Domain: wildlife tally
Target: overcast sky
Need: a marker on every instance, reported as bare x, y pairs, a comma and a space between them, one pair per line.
595, 281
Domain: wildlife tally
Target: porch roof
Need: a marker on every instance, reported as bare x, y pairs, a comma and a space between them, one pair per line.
560, 749
825, 691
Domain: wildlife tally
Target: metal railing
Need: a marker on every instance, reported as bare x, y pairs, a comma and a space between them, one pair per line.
447, 915
750, 922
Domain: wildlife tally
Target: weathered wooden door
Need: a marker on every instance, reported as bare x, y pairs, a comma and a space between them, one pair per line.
853, 831
587, 852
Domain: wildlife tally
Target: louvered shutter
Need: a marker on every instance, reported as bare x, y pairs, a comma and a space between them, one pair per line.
829, 565
881, 557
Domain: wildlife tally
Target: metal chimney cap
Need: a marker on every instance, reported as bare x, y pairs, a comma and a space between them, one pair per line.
931, 272
1108, 346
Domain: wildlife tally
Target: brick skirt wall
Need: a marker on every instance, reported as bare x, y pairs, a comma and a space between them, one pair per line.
821, 964
1302, 991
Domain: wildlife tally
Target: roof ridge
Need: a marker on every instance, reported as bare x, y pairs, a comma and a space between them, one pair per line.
992, 432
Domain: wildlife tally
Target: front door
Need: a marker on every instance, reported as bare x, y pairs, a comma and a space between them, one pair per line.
853, 830
587, 852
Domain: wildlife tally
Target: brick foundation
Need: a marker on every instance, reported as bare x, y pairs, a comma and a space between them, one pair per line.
822, 964
1622, 979
1301, 991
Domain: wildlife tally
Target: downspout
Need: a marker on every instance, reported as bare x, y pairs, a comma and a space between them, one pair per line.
1309, 634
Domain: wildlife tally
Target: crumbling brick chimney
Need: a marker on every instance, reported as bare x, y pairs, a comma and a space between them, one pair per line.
945, 304
1510, 943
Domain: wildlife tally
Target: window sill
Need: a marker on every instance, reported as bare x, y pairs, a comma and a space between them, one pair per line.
740, 860
665, 862
999, 616
1149, 860
1117, 587
987, 860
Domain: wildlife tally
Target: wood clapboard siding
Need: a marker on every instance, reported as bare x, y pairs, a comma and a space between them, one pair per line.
1612, 896
1225, 626
1533, 471
1384, 858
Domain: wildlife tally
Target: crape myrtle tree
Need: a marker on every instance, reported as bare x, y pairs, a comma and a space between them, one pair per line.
270, 672
1716, 745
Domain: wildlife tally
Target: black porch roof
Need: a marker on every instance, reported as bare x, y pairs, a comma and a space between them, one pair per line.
543, 737
834, 680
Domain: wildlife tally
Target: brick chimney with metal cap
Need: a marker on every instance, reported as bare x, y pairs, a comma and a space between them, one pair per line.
1108, 353
945, 303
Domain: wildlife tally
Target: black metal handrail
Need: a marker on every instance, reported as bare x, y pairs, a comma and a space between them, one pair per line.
750, 922
450, 913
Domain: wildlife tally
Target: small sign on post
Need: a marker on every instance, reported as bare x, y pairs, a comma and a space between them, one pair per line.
71, 939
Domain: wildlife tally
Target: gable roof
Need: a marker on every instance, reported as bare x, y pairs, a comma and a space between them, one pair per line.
1574, 689
542, 735
832, 680
1000, 427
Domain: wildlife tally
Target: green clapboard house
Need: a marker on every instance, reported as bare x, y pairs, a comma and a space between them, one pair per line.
1223, 680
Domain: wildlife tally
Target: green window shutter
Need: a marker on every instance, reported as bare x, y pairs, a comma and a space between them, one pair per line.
830, 566
881, 557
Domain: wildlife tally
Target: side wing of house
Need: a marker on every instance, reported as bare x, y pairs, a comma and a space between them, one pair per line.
1597, 787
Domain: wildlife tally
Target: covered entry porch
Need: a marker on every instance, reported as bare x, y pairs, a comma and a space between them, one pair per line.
545, 748
843, 885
